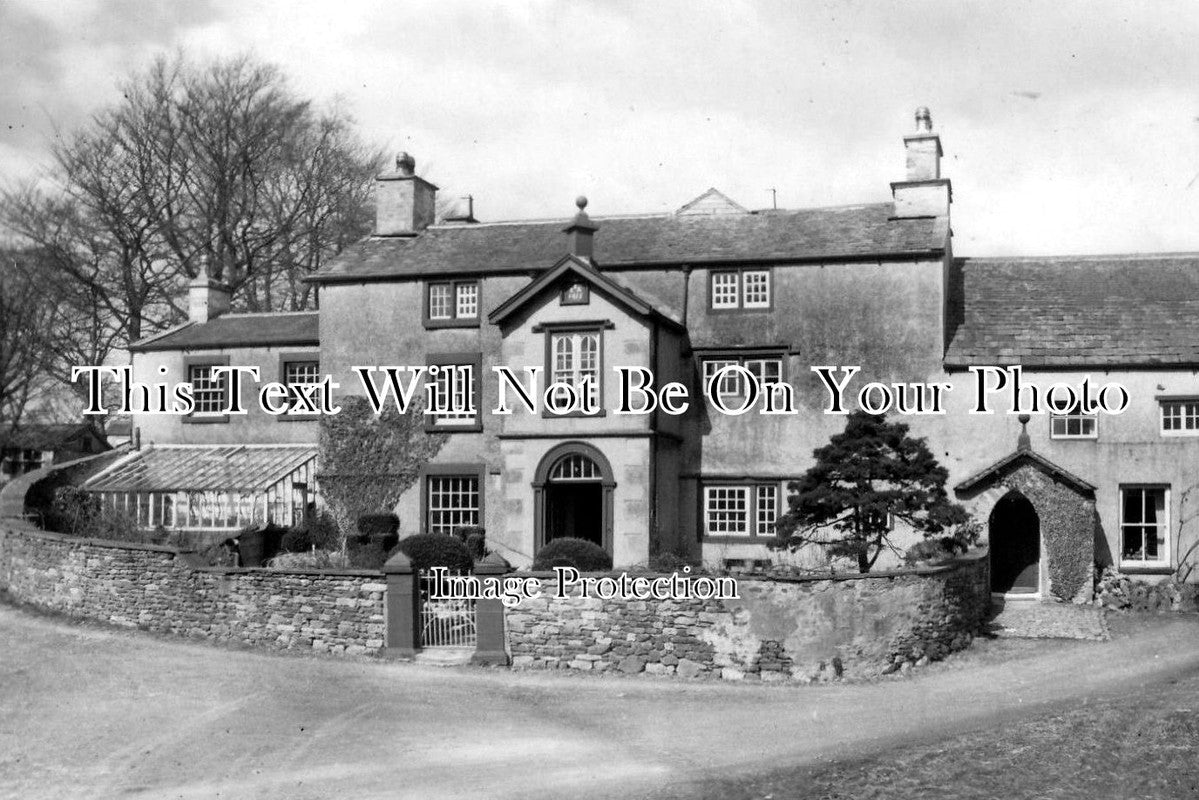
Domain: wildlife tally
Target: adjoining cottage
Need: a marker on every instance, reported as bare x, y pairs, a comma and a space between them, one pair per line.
684, 294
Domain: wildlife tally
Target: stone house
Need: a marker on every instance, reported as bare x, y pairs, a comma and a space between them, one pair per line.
774, 292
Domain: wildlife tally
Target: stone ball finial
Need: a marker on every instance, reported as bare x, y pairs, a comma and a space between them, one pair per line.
581, 202
924, 120
406, 163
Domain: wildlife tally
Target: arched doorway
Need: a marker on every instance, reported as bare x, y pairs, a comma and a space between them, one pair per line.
1015, 537
573, 493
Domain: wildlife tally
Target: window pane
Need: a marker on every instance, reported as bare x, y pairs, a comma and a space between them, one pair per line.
455, 384
724, 289
453, 501
727, 510
440, 301
1144, 525
468, 300
209, 393
767, 510
757, 288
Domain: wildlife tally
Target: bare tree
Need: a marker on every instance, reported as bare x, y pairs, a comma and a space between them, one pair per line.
219, 162
24, 306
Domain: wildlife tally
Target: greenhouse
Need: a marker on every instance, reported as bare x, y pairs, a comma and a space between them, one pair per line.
210, 488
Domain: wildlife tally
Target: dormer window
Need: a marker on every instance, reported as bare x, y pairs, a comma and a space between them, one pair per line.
452, 304
736, 289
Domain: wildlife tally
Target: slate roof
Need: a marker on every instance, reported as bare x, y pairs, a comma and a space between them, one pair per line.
202, 468
238, 330
1079, 311
813, 234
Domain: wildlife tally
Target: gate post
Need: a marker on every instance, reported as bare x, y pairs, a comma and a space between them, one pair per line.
490, 642
401, 608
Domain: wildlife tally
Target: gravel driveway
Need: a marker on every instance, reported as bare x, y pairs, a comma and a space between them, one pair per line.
92, 712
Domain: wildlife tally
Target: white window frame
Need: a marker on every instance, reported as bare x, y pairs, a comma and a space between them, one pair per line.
726, 289
752, 498
466, 300
463, 379
1163, 560
455, 301
204, 390
460, 498
444, 307
1060, 424
732, 289
299, 372
567, 363
1187, 409
762, 287
732, 386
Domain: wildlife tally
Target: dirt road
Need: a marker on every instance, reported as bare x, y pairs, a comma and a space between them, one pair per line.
90, 712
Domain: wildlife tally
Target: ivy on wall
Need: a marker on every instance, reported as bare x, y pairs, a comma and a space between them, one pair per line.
368, 460
1067, 529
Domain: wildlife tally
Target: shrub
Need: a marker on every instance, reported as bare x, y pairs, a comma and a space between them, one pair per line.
428, 550
318, 532
381, 522
79, 513
668, 562
313, 559
475, 539
581, 554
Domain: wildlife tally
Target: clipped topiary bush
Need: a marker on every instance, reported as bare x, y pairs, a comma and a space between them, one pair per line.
581, 554
475, 539
318, 532
428, 550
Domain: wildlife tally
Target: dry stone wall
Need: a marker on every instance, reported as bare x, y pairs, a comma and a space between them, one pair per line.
157, 589
780, 629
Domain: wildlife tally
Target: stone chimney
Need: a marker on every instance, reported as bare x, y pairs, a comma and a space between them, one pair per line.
924, 193
206, 298
581, 232
405, 204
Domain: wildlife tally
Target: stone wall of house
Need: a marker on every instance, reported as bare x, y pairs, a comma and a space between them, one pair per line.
158, 589
780, 629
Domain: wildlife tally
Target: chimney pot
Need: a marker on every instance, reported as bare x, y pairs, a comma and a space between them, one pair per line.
924, 120
406, 164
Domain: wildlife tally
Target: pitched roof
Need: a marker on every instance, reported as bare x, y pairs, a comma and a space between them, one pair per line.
574, 265
1012, 461
164, 468
238, 330
1080, 311
814, 234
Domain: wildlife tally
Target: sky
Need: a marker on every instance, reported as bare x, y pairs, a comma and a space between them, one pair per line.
1068, 127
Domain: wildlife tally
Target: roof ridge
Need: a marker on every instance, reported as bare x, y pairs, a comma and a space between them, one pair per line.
664, 215
1162, 256
263, 314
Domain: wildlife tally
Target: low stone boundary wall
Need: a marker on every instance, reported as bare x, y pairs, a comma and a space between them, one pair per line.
805, 629
158, 589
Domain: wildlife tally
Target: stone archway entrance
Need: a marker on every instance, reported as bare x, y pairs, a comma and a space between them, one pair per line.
574, 500
573, 495
1015, 537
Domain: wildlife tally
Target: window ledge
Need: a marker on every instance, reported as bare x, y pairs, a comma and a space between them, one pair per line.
736, 539
452, 323
1137, 568
205, 419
